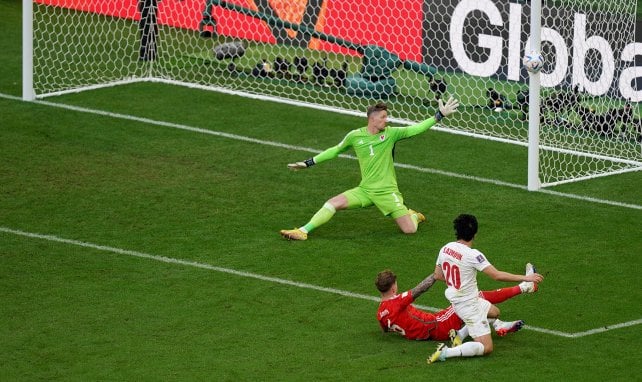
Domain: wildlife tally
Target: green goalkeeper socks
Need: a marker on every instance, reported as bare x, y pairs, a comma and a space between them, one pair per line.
321, 217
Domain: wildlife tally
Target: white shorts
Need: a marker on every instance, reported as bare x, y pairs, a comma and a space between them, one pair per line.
474, 313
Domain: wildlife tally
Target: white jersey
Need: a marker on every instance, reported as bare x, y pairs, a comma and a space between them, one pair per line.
460, 264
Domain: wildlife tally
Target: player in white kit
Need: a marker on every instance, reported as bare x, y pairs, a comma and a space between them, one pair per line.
457, 265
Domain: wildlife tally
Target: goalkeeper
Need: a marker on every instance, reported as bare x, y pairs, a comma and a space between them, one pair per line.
374, 147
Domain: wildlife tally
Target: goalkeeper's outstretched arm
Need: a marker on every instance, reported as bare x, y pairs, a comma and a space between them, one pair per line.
446, 109
328, 154
301, 165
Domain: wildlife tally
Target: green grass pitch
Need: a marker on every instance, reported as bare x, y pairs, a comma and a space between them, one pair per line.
134, 246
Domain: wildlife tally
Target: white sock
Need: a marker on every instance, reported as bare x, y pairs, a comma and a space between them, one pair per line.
463, 332
496, 322
467, 349
523, 286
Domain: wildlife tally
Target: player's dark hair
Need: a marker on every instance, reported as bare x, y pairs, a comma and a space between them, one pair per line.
379, 106
385, 280
465, 227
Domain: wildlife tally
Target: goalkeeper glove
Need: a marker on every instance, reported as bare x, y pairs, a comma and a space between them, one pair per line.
446, 109
301, 165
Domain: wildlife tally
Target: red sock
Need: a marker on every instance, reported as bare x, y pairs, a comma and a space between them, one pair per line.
500, 295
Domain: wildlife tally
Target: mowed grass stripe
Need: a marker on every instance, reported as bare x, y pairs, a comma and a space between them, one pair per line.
316, 151
277, 280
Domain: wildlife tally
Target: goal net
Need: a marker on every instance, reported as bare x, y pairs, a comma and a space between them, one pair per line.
344, 55
590, 123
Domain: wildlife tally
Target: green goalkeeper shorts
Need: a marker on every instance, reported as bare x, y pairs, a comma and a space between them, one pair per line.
390, 203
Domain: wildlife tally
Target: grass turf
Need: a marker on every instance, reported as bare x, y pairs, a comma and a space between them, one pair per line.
77, 313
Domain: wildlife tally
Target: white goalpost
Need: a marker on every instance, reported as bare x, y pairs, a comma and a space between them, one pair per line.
579, 118
533, 175
27, 50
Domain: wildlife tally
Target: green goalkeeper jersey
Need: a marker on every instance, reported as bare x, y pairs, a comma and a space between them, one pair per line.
375, 153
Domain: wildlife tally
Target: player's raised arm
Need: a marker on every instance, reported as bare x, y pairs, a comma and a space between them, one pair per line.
446, 109
423, 286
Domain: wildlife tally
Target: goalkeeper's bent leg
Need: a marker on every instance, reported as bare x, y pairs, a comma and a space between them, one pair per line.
320, 218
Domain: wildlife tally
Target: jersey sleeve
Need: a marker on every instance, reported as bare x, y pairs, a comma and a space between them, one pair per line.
479, 261
334, 151
412, 130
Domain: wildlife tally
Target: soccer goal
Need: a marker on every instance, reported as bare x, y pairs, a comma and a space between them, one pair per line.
581, 111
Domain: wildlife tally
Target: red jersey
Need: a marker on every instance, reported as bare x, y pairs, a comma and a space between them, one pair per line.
398, 315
